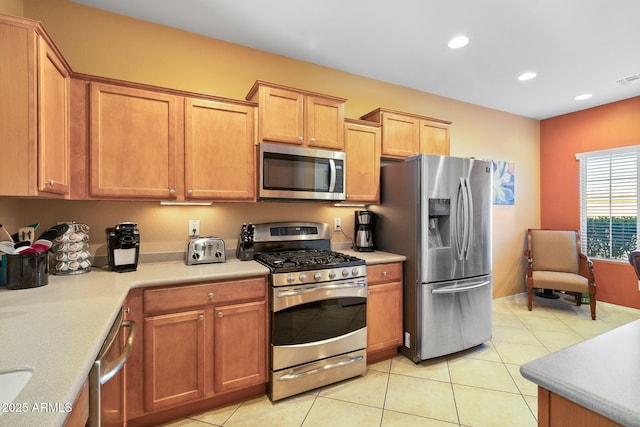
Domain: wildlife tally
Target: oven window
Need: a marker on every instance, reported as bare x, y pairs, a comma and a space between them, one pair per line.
318, 320
298, 173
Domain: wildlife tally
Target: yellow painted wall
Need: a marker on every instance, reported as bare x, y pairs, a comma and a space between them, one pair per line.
11, 7
106, 44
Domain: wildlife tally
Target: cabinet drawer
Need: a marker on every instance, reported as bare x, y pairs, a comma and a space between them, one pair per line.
181, 297
381, 273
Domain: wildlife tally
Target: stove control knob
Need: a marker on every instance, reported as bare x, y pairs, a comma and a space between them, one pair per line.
317, 276
345, 272
332, 274
302, 277
290, 278
355, 272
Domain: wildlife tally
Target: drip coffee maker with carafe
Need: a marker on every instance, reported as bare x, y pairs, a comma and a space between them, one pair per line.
363, 231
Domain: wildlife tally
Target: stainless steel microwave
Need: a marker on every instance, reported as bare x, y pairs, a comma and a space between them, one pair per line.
298, 173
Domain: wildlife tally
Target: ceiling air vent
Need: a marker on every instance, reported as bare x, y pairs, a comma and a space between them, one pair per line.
628, 80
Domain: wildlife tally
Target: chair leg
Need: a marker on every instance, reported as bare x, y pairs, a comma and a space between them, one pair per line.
530, 298
578, 296
592, 304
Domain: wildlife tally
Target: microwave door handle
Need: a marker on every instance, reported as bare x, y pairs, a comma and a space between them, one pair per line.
332, 179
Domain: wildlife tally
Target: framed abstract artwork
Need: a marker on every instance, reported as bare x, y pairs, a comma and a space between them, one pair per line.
503, 183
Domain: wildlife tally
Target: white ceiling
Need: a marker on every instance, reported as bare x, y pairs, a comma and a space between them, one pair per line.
574, 46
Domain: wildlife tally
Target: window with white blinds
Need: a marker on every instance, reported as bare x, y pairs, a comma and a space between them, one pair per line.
609, 202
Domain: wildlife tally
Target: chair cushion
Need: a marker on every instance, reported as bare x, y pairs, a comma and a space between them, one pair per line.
554, 250
560, 281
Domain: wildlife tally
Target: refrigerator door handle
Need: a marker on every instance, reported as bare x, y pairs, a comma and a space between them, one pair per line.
468, 218
453, 289
463, 214
459, 233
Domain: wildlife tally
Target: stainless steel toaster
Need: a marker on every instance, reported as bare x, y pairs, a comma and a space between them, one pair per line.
205, 250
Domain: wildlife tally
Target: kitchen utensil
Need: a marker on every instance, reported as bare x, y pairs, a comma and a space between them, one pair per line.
54, 232
5, 236
7, 247
27, 233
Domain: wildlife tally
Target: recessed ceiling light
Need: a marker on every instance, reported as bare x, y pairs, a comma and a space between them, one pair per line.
458, 42
583, 97
527, 76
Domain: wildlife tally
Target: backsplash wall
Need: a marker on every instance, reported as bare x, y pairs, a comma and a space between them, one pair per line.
165, 228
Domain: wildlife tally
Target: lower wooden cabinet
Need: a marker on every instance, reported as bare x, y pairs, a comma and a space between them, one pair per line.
240, 338
175, 358
555, 410
198, 342
384, 310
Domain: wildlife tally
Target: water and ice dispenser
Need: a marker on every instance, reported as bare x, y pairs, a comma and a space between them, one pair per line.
439, 220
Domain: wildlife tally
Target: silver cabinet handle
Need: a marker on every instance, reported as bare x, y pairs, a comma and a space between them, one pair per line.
172, 191
313, 140
300, 139
112, 368
51, 183
189, 192
210, 295
220, 314
384, 273
201, 317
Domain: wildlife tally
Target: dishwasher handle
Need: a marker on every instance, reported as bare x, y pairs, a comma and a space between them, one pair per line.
113, 367
453, 289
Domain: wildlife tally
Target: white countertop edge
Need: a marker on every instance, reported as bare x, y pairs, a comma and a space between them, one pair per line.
582, 373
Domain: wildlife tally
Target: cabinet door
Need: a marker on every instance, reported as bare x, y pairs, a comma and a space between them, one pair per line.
434, 137
384, 316
174, 358
362, 145
53, 122
324, 119
219, 151
239, 346
133, 142
400, 135
281, 116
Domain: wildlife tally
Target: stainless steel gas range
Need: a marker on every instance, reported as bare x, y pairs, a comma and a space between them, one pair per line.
318, 307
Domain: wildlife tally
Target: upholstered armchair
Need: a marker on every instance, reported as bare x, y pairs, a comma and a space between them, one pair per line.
556, 262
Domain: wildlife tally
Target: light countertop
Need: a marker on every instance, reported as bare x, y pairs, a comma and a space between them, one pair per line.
601, 374
57, 330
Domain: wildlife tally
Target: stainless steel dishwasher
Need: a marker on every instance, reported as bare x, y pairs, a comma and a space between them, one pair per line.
106, 379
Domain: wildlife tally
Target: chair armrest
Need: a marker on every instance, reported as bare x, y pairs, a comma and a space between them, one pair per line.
586, 262
527, 255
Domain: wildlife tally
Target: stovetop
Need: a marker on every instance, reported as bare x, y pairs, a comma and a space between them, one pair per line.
309, 259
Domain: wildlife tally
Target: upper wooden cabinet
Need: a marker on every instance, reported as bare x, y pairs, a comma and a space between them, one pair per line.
298, 117
34, 108
134, 136
219, 151
362, 146
405, 135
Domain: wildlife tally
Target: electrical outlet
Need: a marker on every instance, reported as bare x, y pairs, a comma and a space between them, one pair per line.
337, 224
194, 227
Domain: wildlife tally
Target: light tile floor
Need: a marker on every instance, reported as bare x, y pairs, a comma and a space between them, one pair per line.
477, 387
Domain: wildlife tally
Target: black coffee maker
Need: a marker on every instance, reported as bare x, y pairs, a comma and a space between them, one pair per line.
123, 247
364, 231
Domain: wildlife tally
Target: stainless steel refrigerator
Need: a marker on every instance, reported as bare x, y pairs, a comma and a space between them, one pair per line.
436, 210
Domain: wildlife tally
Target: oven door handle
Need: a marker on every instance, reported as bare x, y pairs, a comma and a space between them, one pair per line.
307, 289
112, 368
295, 376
